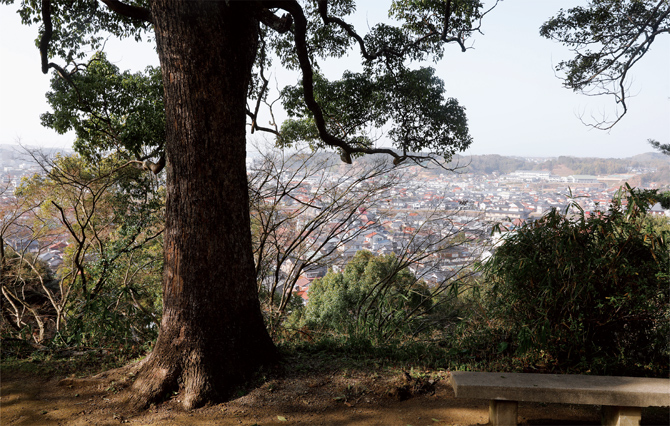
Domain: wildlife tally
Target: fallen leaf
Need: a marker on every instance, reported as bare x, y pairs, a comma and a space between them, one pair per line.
281, 418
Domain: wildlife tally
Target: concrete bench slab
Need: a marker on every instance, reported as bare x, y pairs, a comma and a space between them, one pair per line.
621, 397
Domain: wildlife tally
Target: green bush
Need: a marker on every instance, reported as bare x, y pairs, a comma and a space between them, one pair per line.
588, 292
373, 298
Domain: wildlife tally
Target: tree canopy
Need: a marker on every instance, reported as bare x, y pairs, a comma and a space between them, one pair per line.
109, 110
390, 93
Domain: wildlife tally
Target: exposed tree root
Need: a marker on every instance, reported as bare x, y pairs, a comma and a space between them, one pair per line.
122, 376
199, 379
153, 383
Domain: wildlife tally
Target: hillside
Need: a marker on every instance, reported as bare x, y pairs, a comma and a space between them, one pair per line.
653, 166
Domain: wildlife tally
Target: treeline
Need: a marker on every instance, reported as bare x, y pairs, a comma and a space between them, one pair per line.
661, 175
487, 164
655, 166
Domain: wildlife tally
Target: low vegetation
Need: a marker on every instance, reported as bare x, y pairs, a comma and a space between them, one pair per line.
584, 293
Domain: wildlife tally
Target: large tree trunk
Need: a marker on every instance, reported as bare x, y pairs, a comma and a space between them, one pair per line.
212, 336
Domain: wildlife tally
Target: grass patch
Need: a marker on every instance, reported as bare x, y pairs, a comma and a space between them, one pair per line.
19, 357
342, 354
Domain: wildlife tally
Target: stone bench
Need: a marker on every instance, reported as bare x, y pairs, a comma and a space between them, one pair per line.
621, 398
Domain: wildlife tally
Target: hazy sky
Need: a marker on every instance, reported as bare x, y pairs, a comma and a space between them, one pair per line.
514, 102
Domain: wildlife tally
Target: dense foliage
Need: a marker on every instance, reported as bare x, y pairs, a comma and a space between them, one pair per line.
373, 298
110, 110
412, 101
589, 292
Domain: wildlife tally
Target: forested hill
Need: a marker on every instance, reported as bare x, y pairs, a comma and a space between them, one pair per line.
654, 166
564, 165
651, 166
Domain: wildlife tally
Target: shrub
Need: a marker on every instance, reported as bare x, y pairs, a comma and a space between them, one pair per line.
373, 298
590, 291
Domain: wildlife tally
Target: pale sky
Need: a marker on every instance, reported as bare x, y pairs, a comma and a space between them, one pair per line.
514, 102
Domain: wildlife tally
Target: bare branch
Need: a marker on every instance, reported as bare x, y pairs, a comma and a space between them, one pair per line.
261, 97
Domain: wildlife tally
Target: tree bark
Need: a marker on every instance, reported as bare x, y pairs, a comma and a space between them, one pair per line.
212, 336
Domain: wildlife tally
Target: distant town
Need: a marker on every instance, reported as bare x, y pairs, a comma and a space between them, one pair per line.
425, 208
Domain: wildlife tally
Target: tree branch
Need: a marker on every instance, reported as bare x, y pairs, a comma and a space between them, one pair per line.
130, 11
46, 36
44, 43
261, 94
323, 12
447, 13
300, 37
619, 42
155, 168
269, 19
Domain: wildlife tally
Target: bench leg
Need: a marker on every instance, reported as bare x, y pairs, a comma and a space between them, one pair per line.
503, 413
621, 416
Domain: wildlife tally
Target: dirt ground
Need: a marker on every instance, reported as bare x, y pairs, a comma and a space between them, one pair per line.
308, 398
